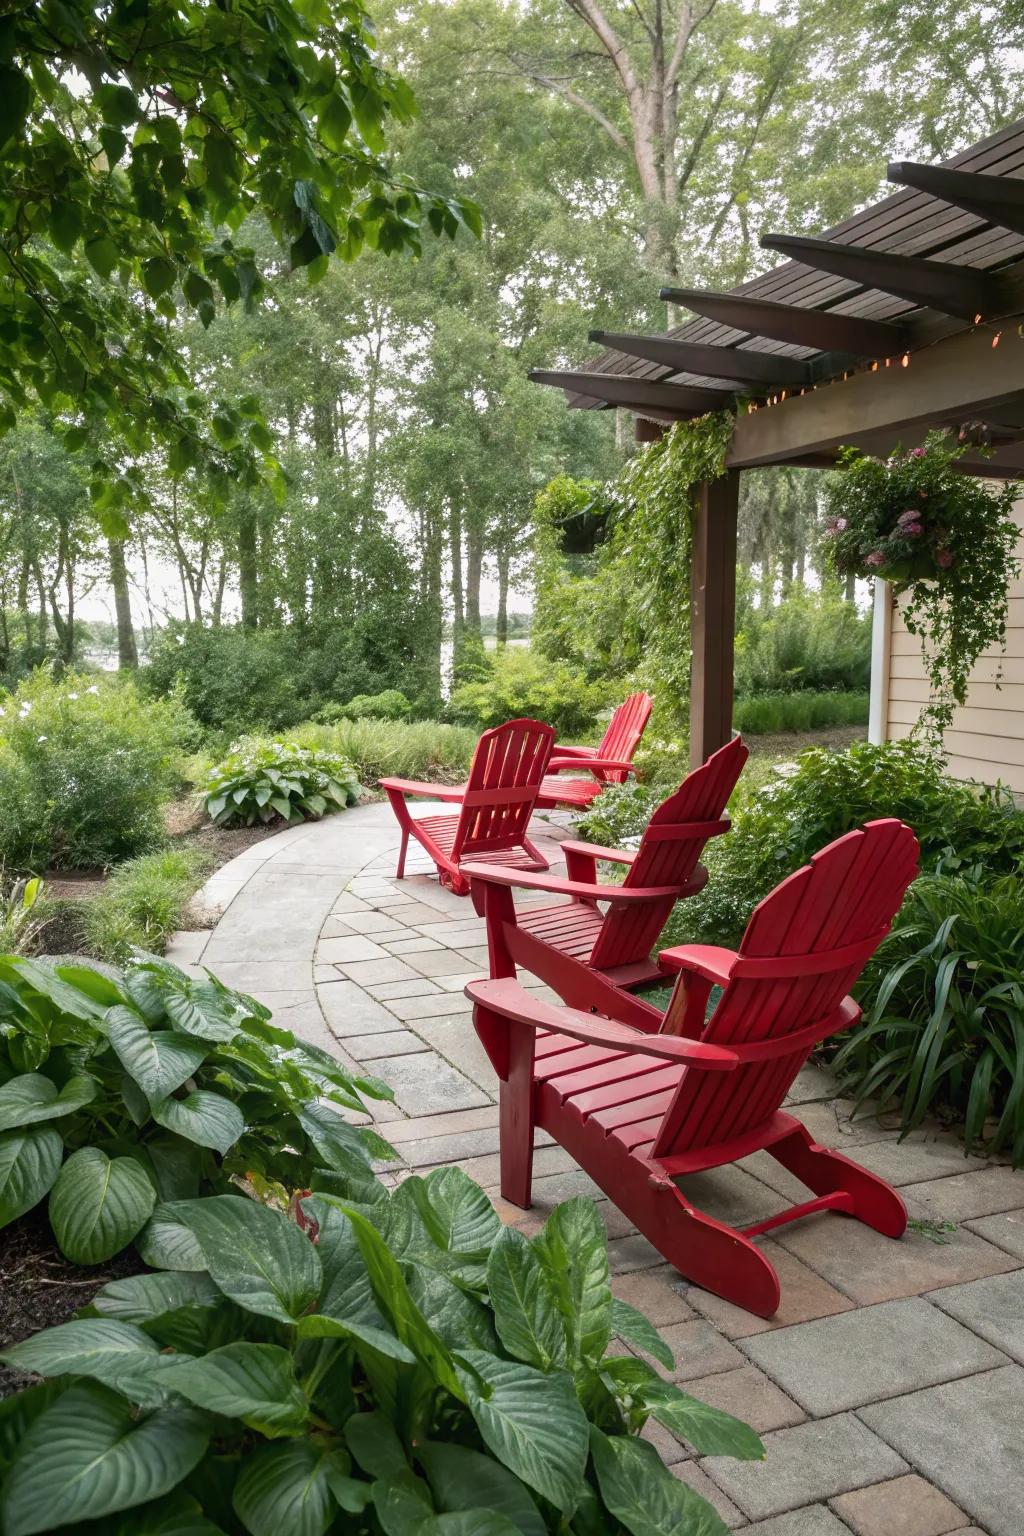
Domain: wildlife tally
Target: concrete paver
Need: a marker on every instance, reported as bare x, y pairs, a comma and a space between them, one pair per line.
314, 922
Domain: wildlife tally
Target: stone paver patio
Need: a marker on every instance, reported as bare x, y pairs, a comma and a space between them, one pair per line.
889, 1388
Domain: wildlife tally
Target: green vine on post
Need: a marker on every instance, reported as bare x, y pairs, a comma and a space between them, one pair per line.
945, 541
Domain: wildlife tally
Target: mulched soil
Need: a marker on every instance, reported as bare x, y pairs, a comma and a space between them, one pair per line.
39, 1288
787, 744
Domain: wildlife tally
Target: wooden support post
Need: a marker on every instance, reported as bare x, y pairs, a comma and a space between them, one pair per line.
713, 615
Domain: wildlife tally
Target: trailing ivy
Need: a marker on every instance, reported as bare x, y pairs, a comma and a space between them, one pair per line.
945, 541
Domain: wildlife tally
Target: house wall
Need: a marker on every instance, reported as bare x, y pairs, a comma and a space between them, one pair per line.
986, 738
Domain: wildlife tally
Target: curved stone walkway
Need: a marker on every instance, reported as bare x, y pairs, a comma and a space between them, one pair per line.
889, 1386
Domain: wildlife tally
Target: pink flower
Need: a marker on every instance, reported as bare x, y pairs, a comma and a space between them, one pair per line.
841, 525
917, 453
944, 558
911, 515
912, 530
876, 557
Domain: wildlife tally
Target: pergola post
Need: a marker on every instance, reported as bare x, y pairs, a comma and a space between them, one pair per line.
713, 615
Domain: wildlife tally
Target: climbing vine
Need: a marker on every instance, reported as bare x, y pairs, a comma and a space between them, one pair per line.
945, 541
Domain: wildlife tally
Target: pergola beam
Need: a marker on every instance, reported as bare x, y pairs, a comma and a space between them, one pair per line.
623, 389
942, 285
997, 199
822, 329
958, 378
745, 367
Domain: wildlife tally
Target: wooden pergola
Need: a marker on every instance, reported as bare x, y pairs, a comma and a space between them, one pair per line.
904, 318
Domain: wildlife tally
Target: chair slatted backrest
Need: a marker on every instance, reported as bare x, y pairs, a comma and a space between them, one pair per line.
504, 779
669, 852
622, 737
827, 919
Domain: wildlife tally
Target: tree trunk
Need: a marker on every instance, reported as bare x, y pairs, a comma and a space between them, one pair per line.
474, 565
127, 650
455, 552
850, 590
218, 601
248, 564
501, 625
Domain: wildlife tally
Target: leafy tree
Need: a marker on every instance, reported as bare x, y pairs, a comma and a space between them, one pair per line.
134, 139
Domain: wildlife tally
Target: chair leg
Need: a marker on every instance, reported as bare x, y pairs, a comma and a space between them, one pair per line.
707, 1252
400, 872
517, 1118
824, 1171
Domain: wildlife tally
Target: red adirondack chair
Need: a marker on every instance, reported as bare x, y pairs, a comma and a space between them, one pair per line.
607, 763
575, 947
639, 1111
496, 804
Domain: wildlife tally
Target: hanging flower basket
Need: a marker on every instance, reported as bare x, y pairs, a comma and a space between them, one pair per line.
944, 539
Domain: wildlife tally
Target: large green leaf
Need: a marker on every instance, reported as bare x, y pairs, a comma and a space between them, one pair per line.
457, 1317
468, 1522
98, 1204
252, 1382
286, 1489
632, 1326
141, 1298
315, 1325
32, 1097
256, 1255
532, 1422
167, 1243
208, 1119
374, 1443
175, 1515
159, 1060
456, 1212
463, 1479
334, 1140
115, 1353
525, 1307
67, 998
88, 1456
709, 1430
641, 1493
574, 1249
347, 1292
199, 1009
29, 1163
402, 1503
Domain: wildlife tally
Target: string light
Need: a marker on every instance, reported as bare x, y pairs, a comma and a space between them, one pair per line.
874, 367
905, 360
995, 338
977, 319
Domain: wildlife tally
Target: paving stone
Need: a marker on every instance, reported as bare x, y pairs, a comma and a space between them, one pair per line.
812, 1520
347, 902
454, 1038
993, 1308
806, 1465
424, 1084
668, 1447
187, 945
412, 945
859, 1357
699, 1350
385, 991
452, 934
967, 1437
839, 1124
349, 1011
458, 982
730, 1194
439, 962
972, 1194
263, 978
455, 1148
689, 1472
1005, 1230
748, 1394
805, 1295
628, 1253
355, 947
398, 1042
477, 958
868, 1267
335, 928
324, 973
431, 1005
917, 1162
655, 1293
811, 1082
372, 921
388, 969
425, 1127
409, 913
907, 1505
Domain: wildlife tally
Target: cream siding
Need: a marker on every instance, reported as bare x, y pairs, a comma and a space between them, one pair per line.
986, 738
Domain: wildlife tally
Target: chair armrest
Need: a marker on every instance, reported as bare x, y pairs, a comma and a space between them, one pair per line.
708, 960
595, 765
452, 792
496, 874
562, 749
507, 998
591, 850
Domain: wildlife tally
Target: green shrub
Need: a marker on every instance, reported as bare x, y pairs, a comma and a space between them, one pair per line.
810, 640
232, 679
944, 1009
379, 748
759, 714
389, 705
23, 907
419, 1369
778, 826
142, 903
85, 768
120, 1092
259, 780
620, 812
523, 684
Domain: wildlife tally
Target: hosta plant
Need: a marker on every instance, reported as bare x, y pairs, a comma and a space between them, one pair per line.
120, 1092
395, 1364
259, 780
